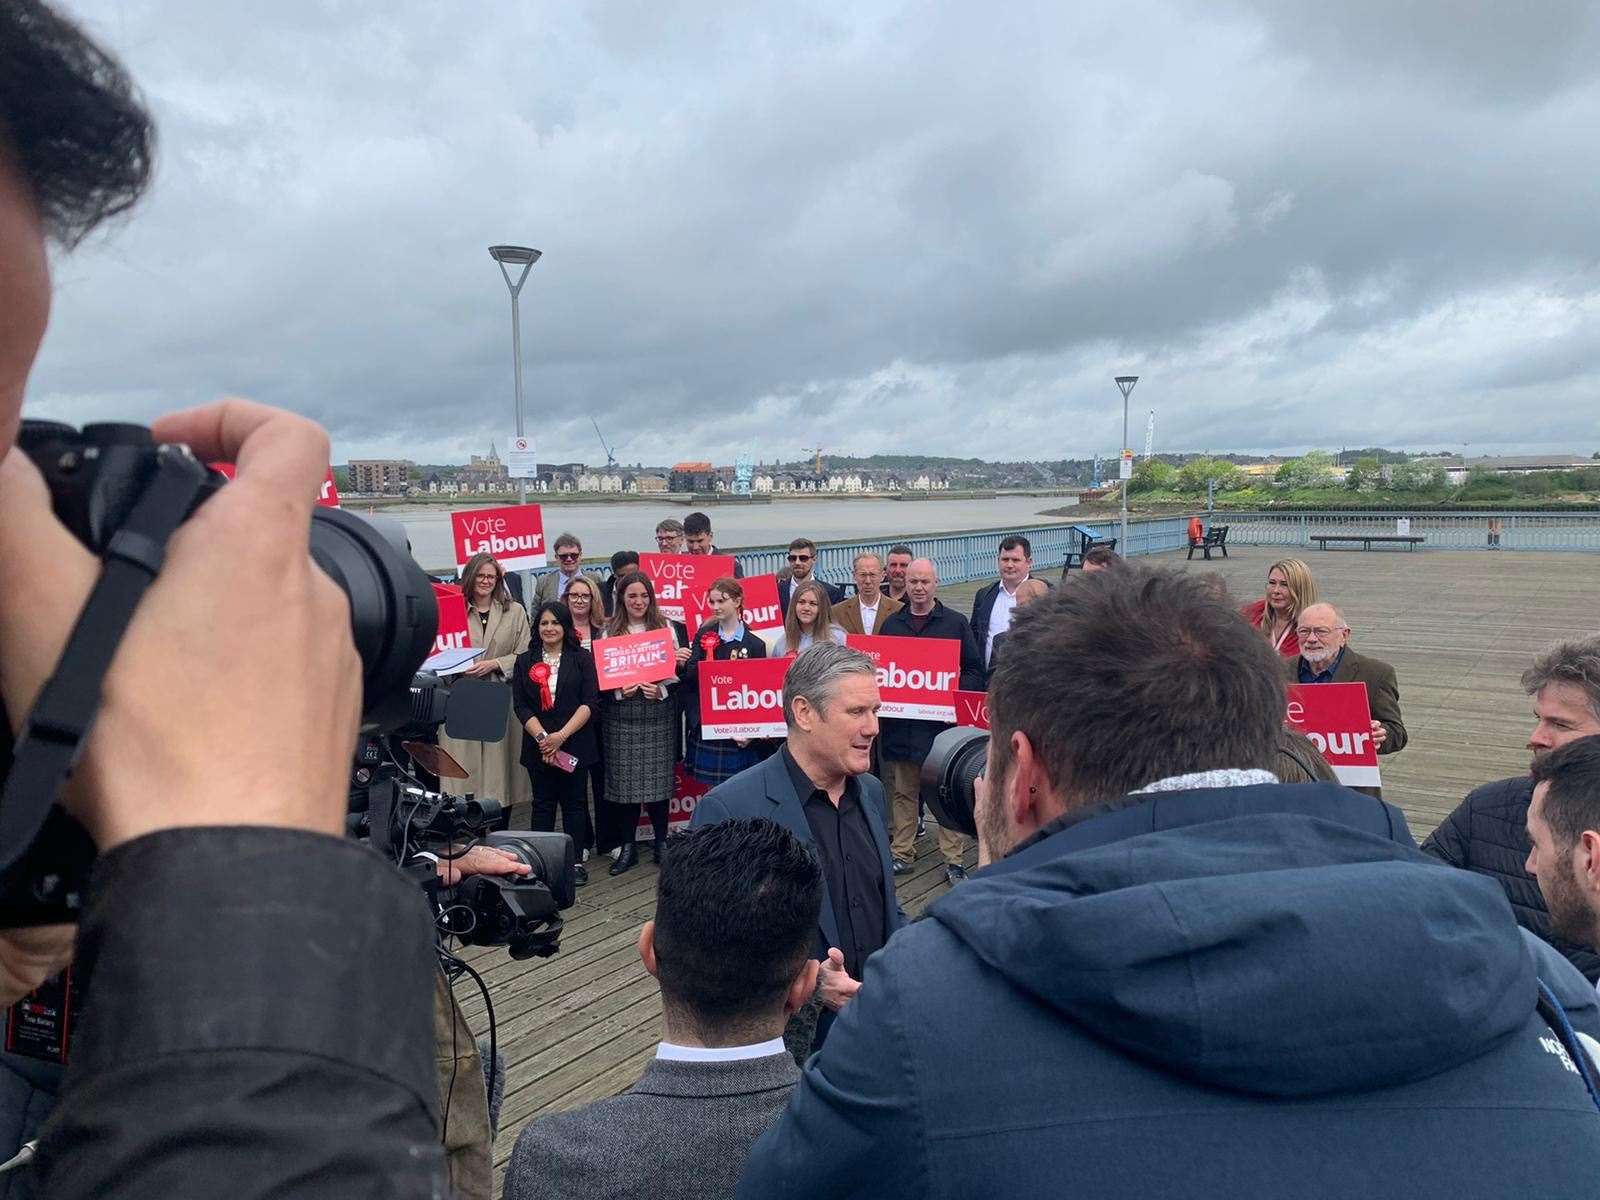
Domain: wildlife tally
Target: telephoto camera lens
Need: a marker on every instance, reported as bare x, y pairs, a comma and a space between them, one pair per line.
959, 755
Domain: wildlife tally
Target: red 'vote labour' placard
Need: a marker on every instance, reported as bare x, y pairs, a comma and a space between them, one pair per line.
1336, 718
647, 657
762, 616
742, 697
680, 577
327, 496
916, 676
452, 632
972, 709
514, 535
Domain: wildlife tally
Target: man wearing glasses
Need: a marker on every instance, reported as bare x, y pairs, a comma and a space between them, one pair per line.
802, 560
1326, 657
569, 555
669, 536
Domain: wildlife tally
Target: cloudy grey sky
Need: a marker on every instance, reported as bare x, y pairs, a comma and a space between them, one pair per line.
933, 227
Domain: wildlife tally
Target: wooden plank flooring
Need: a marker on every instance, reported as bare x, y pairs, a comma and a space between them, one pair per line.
1459, 628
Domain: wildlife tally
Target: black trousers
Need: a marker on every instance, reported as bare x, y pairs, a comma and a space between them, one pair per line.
627, 818
553, 787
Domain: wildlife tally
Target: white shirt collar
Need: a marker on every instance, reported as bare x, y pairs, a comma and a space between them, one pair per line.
675, 1053
1209, 779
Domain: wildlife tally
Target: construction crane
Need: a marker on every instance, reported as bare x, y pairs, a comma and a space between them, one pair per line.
611, 459
816, 450
1150, 436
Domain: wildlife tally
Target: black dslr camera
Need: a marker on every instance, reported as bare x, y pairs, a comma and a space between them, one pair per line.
955, 762
123, 496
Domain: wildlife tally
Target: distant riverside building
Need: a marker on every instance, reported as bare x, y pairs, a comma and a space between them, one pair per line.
376, 475
693, 477
650, 485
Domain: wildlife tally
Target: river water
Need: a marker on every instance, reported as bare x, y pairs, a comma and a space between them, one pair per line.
606, 527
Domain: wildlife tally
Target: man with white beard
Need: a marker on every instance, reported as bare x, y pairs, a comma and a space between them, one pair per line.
1326, 657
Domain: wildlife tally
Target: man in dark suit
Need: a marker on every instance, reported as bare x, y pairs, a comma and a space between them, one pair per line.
820, 787
802, 561
736, 912
992, 606
698, 539
1326, 657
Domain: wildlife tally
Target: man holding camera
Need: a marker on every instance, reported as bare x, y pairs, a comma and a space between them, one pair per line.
1180, 977
259, 987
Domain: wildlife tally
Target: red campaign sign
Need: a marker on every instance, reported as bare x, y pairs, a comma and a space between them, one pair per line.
647, 657
679, 578
916, 676
742, 697
686, 793
1336, 718
328, 497
452, 632
514, 535
762, 616
972, 709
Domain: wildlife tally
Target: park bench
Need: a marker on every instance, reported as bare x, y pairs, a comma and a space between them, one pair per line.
1216, 538
1367, 540
1085, 540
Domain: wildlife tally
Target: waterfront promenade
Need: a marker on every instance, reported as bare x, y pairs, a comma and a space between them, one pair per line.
1458, 627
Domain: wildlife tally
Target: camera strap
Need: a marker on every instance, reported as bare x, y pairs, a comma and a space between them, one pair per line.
52, 738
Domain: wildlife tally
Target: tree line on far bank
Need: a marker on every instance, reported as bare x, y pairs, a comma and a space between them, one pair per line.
1311, 478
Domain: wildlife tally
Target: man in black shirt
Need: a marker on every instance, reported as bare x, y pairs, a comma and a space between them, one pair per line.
821, 788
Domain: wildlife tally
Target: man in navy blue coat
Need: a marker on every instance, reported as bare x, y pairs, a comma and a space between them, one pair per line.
820, 786
1179, 977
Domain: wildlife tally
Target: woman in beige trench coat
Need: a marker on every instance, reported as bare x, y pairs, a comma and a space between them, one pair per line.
500, 625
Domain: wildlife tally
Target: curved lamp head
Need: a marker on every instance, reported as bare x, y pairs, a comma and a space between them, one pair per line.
520, 255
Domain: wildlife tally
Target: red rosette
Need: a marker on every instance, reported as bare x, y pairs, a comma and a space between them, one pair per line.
539, 673
709, 643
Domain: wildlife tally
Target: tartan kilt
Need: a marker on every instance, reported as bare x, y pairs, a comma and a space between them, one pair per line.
711, 762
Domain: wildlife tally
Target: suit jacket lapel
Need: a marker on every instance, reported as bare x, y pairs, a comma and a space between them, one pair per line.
789, 811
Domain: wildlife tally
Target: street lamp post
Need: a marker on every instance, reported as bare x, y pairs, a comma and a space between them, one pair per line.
525, 257
1124, 385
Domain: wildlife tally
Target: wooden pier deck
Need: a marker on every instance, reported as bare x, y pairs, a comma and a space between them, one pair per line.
1459, 628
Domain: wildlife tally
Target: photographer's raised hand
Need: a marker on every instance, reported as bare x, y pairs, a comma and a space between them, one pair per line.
232, 945
240, 650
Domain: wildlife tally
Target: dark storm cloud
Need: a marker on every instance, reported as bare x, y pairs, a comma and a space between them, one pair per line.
882, 228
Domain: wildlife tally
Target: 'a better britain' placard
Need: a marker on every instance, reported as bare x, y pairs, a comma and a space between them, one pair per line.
647, 657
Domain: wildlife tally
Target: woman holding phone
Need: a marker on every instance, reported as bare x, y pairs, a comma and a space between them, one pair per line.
555, 695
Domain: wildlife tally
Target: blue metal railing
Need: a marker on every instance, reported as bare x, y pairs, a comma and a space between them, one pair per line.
963, 557
1507, 530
